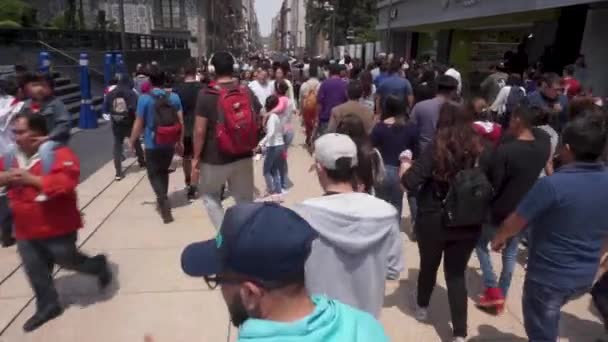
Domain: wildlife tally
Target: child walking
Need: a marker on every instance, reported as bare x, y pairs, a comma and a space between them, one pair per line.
273, 144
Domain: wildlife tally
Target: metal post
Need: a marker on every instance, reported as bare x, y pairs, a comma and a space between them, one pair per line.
390, 20
123, 35
108, 63
333, 32
44, 62
120, 66
87, 119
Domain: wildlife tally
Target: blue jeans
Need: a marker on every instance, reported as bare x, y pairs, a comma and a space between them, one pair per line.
272, 168
285, 182
390, 189
541, 305
47, 155
509, 258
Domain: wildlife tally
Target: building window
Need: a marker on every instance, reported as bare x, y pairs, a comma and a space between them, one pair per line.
170, 14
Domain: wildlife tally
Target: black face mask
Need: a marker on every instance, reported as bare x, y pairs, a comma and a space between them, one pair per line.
238, 313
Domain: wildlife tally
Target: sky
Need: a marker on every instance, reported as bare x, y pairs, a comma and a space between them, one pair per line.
266, 10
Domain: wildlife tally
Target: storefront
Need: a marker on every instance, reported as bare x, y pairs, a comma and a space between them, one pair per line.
474, 34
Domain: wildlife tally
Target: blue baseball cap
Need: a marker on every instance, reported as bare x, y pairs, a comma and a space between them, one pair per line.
261, 240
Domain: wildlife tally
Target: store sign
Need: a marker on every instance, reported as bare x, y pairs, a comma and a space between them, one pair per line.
463, 3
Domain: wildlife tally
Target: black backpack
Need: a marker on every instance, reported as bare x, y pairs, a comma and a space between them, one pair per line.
120, 111
468, 199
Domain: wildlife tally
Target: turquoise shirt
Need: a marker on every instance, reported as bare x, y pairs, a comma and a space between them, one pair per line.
145, 110
331, 321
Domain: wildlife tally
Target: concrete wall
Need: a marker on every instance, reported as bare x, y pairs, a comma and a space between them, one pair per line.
596, 51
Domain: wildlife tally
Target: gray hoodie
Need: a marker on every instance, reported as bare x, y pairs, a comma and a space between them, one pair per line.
358, 248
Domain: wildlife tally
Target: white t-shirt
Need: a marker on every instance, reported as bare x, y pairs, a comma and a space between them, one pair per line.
370, 101
8, 110
274, 132
262, 92
454, 73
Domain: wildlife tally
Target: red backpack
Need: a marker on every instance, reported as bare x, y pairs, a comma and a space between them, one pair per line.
236, 129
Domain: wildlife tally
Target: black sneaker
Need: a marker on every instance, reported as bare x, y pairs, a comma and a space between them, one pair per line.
42, 316
142, 164
165, 212
191, 194
105, 277
8, 241
119, 177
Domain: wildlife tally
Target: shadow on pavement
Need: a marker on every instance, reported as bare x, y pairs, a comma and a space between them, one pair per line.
82, 290
178, 199
485, 331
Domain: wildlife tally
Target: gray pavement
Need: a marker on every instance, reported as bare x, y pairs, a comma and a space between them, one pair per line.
152, 296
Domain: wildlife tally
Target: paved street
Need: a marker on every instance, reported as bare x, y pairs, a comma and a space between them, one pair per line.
151, 295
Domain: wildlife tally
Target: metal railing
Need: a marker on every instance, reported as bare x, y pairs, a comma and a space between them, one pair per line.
69, 58
94, 40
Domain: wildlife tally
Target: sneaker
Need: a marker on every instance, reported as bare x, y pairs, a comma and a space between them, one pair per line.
42, 316
118, 178
191, 193
165, 212
8, 241
421, 314
491, 297
105, 277
459, 339
284, 192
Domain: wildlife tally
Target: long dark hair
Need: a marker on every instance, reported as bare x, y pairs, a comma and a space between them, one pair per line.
353, 126
367, 82
395, 108
456, 145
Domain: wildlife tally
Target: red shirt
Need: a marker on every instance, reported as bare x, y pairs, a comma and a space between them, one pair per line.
58, 215
488, 130
572, 87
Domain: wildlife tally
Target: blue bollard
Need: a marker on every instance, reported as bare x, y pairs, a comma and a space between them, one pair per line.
87, 119
121, 68
44, 62
108, 66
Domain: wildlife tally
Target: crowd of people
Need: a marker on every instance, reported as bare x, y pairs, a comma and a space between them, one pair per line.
520, 161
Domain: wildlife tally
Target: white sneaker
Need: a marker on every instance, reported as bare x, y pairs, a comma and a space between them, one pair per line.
459, 339
284, 192
421, 314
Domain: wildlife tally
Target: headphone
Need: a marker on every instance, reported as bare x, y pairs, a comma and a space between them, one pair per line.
235, 65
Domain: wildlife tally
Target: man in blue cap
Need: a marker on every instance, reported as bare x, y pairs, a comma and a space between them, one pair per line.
258, 259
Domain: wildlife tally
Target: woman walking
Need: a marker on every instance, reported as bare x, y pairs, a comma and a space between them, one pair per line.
456, 147
392, 136
273, 146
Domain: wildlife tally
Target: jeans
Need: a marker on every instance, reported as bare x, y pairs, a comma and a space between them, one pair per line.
285, 182
6, 218
273, 167
541, 306
120, 133
390, 189
238, 175
456, 255
509, 259
321, 128
40, 256
47, 155
158, 163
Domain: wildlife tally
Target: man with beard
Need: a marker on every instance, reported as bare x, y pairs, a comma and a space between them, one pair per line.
258, 260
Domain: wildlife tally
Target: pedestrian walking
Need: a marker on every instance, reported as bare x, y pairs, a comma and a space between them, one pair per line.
188, 91
121, 103
447, 228
360, 245
551, 99
46, 232
273, 146
332, 93
308, 103
160, 118
354, 106
265, 288
513, 170
392, 136
568, 225
396, 85
261, 87
226, 160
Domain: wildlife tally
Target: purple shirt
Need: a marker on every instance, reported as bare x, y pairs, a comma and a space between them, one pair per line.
331, 93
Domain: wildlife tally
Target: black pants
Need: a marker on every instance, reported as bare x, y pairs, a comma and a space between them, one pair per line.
6, 218
456, 255
158, 162
120, 133
40, 256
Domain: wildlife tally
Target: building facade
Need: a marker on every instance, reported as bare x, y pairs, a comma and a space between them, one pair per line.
474, 34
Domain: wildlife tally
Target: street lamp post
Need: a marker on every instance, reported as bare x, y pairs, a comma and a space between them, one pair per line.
331, 9
123, 35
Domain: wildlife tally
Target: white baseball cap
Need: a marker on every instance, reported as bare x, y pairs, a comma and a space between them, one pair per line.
331, 147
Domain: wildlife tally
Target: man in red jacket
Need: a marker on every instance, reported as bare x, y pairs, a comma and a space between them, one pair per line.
46, 231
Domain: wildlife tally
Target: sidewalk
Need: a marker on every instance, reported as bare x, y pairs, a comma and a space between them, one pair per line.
151, 295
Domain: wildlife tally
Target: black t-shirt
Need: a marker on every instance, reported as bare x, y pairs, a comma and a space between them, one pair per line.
206, 107
188, 93
514, 168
